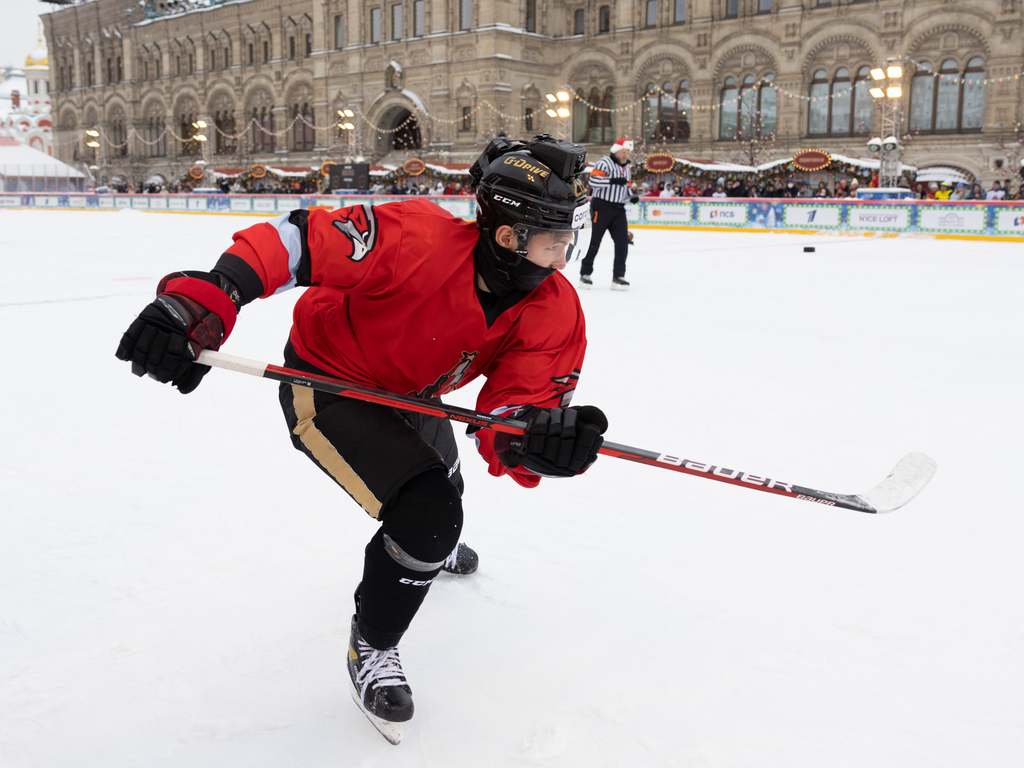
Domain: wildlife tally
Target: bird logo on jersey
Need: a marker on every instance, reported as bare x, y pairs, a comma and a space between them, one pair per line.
359, 226
446, 382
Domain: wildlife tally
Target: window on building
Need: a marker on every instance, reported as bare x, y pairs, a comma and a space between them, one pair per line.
145, 72
749, 109
764, 6
604, 20
594, 125
118, 71
88, 73
396, 22
339, 32
71, 73
291, 47
302, 118
157, 71
732, 8
863, 105
531, 16
177, 65
376, 22
309, 44
466, 14
651, 13
227, 58
252, 58
528, 119
679, 15
419, 18
109, 75
467, 119
266, 51
577, 22
224, 122
156, 135
824, 2
213, 58
191, 63
840, 104
949, 101
817, 119
261, 129
666, 113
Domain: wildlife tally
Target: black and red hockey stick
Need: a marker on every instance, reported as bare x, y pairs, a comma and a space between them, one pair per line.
906, 480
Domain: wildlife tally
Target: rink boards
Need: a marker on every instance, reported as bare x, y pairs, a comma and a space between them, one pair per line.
999, 220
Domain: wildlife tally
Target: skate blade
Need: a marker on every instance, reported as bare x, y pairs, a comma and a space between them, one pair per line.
584, 286
390, 731
617, 287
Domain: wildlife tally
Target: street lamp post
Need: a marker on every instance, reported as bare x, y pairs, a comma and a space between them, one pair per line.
887, 90
345, 123
558, 108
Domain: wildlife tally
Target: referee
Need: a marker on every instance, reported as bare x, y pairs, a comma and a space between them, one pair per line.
609, 182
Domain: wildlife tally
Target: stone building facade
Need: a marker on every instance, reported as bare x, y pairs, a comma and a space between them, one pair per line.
437, 78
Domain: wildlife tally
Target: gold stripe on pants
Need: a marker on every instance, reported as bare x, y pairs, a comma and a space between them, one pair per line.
325, 453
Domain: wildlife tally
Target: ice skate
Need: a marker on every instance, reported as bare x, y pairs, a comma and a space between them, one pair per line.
619, 284
378, 686
586, 281
462, 561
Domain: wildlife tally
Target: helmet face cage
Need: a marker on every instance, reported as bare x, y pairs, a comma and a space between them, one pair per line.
550, 242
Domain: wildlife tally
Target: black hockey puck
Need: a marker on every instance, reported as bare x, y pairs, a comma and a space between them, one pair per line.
808, 249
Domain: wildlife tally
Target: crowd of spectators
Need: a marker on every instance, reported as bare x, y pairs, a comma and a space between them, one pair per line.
843, 189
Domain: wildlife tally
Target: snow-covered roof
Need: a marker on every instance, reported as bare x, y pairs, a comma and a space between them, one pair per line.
24, 161
942, 173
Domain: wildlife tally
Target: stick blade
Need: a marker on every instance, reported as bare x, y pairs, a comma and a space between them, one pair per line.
907, 479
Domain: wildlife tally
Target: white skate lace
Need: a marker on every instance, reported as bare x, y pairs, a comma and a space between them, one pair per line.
452, 559
380, 669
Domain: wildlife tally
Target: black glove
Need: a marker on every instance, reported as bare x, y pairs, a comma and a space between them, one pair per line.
618, 181
559, 442
634, 198
191, 313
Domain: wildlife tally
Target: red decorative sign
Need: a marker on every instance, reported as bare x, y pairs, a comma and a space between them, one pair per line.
414, 166
258, 171
659, 162
811, 160
196, 172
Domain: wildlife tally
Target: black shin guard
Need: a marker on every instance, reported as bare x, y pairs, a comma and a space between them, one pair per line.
419, 529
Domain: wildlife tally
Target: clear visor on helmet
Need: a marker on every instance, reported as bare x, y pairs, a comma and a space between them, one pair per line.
555, 247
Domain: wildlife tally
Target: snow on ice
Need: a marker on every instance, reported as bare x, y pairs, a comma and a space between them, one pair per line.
176, 581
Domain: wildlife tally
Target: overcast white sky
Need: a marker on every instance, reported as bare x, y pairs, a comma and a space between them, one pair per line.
19, 29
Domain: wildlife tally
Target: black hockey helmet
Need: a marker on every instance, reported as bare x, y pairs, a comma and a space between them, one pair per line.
532, 186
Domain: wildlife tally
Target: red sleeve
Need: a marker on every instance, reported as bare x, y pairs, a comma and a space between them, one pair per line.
355, 249
540, 366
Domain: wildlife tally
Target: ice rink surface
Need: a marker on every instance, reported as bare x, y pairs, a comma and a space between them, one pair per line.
176, 581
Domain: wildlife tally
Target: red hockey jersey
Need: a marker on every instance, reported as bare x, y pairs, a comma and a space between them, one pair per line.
393, 304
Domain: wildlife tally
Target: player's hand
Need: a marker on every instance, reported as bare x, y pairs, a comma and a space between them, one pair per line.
190, 313
559, 442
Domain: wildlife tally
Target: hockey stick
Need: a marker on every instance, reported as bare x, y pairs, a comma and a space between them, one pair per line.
906, 480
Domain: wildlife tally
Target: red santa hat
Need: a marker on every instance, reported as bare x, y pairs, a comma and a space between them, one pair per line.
622, 144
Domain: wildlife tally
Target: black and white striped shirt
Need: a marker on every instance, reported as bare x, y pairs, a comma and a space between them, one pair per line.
604, 171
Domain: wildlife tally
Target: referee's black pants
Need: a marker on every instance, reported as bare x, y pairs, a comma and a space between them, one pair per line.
609, 217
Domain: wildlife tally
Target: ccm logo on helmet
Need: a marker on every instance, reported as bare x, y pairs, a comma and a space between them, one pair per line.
507, 200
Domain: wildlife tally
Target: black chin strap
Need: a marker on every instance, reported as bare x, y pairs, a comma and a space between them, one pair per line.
499, 270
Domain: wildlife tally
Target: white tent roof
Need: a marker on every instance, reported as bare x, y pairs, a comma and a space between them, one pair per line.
942, 173
24, 161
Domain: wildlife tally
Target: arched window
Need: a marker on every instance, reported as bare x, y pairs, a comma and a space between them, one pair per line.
224, 120
577, 25
841, 104
730, 109
863, 104
749, 110
604, 18
303, 127
922, 98
667, 112
949, 101
972, 111
817, 120
593, 125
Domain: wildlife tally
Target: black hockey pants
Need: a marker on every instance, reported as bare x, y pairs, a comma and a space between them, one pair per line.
403, 469
609, 217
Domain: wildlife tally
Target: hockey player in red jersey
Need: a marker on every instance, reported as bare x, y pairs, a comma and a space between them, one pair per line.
405, 297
